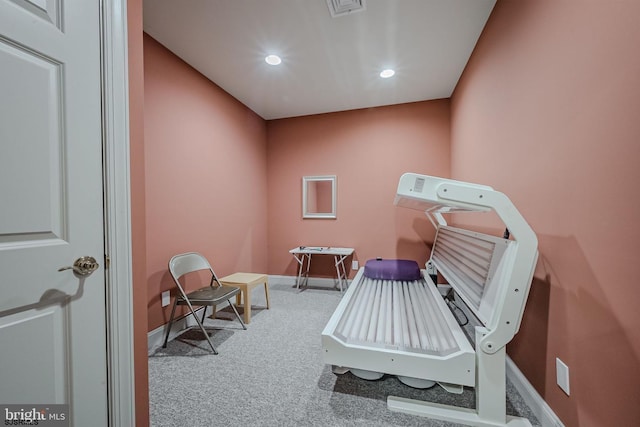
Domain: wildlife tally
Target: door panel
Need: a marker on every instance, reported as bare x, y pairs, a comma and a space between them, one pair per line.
47, 10
41, 351
51, 209
32, 144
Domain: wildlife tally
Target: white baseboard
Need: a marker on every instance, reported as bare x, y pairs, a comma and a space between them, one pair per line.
282, 280
155, 338
532, 398
321, 282
540, 408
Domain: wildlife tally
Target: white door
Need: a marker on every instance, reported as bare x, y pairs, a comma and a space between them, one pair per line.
52, 324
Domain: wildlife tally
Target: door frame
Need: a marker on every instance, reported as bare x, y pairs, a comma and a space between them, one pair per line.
117, 211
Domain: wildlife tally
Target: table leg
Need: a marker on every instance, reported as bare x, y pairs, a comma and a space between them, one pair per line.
247, 305
266, 291
300, 266
344, 271
342, 275
301, 260
336, 261
306, 272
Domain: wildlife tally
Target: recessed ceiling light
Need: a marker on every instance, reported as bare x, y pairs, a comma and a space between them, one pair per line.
273, 59
385, 74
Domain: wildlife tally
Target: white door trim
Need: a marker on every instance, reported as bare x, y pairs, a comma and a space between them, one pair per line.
117, 212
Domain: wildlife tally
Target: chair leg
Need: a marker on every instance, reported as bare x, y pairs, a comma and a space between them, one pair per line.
204, 331
206, 335
204, 312
233, 307
173, 311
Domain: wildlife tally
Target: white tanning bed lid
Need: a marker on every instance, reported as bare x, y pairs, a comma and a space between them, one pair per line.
429, 194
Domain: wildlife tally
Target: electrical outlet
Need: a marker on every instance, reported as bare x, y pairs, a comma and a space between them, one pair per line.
354, 265
166, 298
562, 375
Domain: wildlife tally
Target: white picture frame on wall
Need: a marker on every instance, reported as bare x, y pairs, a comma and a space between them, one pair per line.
319, 197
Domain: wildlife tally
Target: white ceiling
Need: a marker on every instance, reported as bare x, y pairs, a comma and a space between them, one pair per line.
328, 64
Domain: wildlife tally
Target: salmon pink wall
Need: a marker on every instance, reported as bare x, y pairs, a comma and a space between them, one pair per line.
368, 150
206, 175
548, 112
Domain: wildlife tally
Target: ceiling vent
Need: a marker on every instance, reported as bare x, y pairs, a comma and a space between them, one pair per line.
345, 7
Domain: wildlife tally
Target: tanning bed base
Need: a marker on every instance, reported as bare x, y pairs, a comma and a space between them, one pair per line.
415, 344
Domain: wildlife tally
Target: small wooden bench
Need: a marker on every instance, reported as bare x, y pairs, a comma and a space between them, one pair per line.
246, 282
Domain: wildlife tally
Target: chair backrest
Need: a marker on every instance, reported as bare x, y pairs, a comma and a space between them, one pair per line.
179, 265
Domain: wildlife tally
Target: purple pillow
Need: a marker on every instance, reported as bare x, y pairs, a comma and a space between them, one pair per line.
392, 269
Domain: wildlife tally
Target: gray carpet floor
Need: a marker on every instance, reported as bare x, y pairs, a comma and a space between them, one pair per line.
272, 374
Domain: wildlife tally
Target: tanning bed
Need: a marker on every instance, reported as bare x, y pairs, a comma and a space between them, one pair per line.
402, 326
